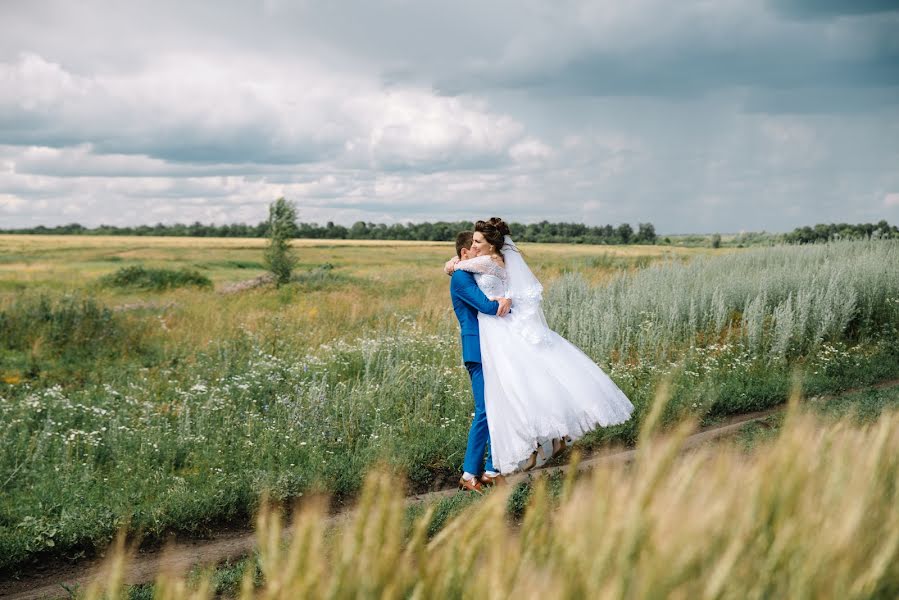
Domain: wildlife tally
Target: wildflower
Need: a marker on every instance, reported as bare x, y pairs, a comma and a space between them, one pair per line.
12, 379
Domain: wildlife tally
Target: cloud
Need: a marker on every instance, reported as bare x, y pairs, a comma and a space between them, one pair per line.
189, 110
195, 111
697, 49
82, 160
10, 203
831, 8
891, 200
530, 151
412, 129
696, 116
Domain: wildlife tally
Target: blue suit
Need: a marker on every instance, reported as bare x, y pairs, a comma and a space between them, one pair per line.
468, 301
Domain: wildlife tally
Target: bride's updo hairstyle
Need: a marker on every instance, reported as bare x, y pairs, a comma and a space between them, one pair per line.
494, 231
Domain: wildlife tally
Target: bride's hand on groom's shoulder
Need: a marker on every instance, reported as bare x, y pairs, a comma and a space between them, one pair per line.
450, 265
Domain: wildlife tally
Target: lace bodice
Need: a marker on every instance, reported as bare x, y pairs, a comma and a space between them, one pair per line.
490, 277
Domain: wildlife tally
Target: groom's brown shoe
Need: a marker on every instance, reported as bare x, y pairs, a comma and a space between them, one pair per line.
471, 485
489, 480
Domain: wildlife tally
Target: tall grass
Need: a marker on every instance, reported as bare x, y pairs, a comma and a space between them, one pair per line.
813, 515
69, 324
778, 302
39, 333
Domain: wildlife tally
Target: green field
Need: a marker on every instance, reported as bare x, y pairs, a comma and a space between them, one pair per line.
173, 410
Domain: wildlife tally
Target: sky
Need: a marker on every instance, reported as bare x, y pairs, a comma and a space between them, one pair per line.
697, 116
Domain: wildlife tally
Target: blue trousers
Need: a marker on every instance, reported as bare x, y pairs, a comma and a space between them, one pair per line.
478, 435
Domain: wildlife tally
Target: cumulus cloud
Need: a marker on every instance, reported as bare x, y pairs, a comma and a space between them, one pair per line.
189, 110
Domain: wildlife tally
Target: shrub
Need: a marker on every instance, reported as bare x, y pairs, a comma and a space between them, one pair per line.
155, 279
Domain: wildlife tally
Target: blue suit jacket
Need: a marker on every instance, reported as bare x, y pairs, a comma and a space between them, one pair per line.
468, 301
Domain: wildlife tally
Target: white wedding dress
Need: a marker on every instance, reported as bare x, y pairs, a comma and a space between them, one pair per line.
537, 385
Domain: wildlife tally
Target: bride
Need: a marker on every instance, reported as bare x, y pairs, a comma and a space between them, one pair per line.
539, 388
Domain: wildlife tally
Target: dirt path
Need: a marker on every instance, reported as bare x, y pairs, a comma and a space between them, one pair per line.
184, 554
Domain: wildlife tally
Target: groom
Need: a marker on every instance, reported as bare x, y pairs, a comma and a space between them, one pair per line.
468, 301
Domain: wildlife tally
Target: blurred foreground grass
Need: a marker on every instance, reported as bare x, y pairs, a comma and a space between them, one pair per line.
812, 514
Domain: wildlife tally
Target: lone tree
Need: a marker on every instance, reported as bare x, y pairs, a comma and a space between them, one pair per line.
279, 259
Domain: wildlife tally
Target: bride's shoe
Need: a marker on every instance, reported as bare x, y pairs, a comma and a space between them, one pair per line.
542, 455
560, 444
529, 463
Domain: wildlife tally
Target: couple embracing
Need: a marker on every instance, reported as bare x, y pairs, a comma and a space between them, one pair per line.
534, 391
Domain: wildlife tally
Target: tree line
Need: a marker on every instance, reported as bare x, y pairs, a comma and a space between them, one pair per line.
841, 231
441, 231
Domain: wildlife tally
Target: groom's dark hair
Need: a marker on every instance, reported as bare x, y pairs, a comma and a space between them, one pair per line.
463, 240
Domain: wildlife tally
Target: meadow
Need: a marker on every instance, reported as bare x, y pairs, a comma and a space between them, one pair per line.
174, 409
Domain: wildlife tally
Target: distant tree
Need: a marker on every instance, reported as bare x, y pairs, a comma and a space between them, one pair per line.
646, 233
335, 232
359, 230
279, 259
716, 240
196, 229
625, 233
71, 229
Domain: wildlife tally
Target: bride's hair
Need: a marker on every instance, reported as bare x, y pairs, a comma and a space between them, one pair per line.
494, 231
